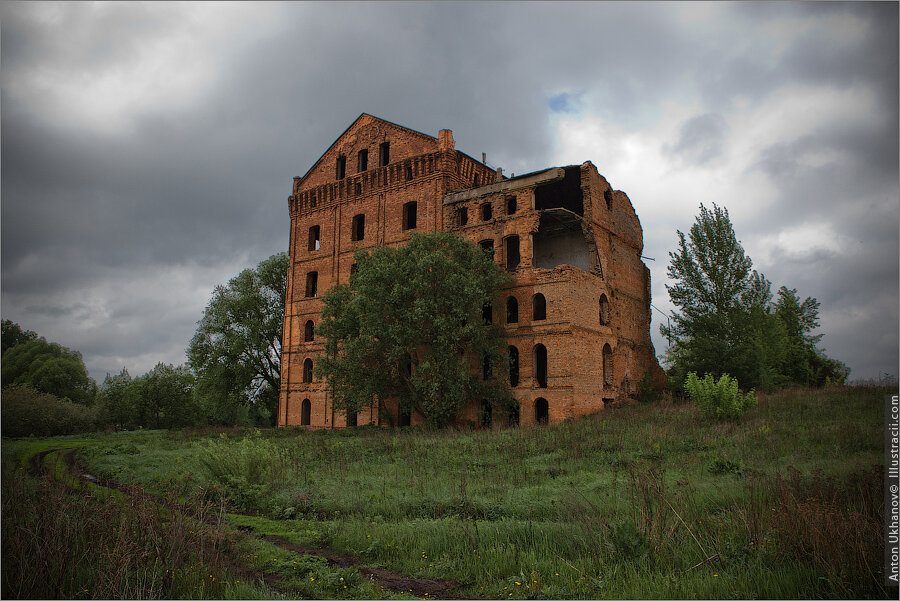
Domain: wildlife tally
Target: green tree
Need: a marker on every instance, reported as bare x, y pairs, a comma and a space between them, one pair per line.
163, 397
724, 323
12, 334
236, 351
804, 362
48, 367
116, 402
409, 326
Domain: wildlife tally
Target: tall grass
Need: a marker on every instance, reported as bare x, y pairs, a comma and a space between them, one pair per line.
61, 544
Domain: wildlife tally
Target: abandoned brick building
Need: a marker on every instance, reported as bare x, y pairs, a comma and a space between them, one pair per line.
577, 317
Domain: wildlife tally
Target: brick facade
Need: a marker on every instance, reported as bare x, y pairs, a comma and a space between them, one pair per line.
562, 233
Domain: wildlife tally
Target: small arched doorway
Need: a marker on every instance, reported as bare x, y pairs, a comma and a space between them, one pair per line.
541, 411
305, 412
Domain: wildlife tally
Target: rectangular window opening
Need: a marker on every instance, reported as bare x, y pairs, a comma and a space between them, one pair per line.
511, 205
409, 215
358, 229
312, 281
314, 238
362, 160
341, 168
462, 216
384, 154
512, 253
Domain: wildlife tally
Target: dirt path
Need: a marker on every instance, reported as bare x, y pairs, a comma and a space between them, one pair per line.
386, 579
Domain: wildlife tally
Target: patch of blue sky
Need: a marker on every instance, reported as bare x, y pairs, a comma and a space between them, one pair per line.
565, 102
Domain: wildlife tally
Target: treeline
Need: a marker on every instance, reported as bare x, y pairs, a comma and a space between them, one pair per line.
232, 375
727, 321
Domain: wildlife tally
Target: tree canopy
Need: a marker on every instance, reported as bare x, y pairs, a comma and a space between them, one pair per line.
236, 351
411, 326
47, 367
726, 321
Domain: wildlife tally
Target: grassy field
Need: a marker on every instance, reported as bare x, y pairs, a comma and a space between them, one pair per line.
640, 501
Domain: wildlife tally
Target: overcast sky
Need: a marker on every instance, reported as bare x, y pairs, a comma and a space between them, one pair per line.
148, 149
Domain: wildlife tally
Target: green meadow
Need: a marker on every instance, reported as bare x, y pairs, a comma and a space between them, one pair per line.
639, 501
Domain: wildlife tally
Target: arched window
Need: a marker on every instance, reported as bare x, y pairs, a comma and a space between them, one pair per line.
305, 411
512, 310
607, 365
512, 414
307, 370
540, 365
538, 307
308, 332
513, 366
486, 414
604, 310
487, 369
541, 411
487, 313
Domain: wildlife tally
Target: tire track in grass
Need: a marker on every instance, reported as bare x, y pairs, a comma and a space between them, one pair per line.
388, 580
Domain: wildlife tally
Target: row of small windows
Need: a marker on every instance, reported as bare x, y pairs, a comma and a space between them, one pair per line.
362, 160
358, 226
486, 211
538, 304
541, 414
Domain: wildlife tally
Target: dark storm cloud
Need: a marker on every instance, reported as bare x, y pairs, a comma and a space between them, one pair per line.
118, 219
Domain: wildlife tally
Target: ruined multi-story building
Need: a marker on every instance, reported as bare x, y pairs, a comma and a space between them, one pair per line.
577, 316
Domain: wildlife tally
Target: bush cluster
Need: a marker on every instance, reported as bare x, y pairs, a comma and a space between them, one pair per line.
26, 411
718, 398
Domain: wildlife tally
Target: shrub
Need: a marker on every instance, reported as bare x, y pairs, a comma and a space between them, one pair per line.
718, 398
26, 411
245, 468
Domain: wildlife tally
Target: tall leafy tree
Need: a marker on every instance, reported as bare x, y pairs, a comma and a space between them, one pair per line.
236, 351
12, 334
410, 326
163, 398
805, 363
724, 322
48, 367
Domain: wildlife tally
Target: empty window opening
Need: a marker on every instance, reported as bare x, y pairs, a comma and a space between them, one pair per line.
487, 211
540, 365
354, 268
362, 160
409, 172
607, 365
560, 240
404, 417
487, 370
607, 196
604, 310
384, 154
358, 229
357, 188
512, 414
487, 246
309, 331
513, 366
512, 310
511, 205
314, 242
312, 282
462, 216
541, 411
307, 370
305, 411
341, 168
512, 253
409, 215
487, 313
538, 307
475, 180
351, 420
486, 415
